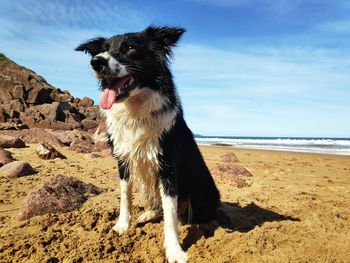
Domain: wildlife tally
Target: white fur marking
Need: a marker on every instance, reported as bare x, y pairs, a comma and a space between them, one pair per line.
173, 250
125, 207
135, 132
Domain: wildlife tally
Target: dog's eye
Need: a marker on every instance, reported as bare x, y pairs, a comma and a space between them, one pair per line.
131, 49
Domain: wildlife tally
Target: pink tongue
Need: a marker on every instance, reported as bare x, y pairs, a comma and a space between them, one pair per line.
108, 98
109, 95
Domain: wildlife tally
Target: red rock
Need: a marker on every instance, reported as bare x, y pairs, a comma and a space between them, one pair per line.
46, 151
229, 157
5, 157
83, 145
59, 194
17, 169
234, 169
26, 98
89, 124
66, 137
11, 142
37, 135
86, 102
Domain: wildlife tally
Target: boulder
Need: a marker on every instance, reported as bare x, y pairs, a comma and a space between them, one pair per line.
59, 194
66, 136
86, 102
229, 158
233, 168
46, 151
17, 169
5, 157
231, 171
83, 145
11, 142
89, 124
37, 135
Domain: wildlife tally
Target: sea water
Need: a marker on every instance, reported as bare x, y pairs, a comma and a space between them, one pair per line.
339, 146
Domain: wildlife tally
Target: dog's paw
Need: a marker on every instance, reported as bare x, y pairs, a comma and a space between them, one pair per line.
121, 226
176, 254
149, 216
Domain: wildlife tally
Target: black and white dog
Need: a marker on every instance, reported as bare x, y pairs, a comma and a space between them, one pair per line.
154, 147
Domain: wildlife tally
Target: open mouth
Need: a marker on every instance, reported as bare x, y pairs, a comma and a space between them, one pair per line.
117, 90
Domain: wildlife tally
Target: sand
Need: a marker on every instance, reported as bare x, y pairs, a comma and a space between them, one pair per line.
296, 209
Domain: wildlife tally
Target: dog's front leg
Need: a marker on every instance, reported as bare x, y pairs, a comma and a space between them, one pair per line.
125, 200
173, 250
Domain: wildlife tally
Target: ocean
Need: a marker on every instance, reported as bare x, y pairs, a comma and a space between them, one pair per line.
339, 146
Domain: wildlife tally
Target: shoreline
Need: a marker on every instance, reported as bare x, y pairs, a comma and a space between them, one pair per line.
272, 150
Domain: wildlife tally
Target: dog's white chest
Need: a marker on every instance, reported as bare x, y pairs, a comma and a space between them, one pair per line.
136, 142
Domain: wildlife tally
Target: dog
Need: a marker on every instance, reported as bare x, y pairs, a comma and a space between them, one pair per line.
150, 139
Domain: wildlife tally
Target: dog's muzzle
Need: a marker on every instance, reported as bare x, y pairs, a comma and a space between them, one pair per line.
98, 63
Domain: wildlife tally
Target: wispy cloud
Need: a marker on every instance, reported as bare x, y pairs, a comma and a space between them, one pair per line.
233, 87
42, 35
254, 84
339, 26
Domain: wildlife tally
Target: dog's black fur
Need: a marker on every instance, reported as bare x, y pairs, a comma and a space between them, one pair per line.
182, 170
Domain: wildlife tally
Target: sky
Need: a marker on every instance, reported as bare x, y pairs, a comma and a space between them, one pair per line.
243, 67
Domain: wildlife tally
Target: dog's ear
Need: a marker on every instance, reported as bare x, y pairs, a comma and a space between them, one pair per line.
166, 37
92, 46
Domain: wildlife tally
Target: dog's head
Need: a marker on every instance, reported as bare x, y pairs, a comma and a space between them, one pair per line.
131, 61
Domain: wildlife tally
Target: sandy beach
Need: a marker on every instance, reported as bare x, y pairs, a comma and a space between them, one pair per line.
295, 209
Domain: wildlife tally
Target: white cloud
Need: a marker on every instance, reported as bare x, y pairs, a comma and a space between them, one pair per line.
339, 26
248, 91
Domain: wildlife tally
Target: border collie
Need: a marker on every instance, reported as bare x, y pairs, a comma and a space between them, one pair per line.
150, 140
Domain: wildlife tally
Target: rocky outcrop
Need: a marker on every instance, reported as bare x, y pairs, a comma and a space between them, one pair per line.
59, 194
27, 100
17, 169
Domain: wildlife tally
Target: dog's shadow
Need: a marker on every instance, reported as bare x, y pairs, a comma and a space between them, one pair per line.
233, 217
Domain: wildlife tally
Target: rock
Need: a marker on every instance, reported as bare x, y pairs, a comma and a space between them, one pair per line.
17, 169
46, 151
11, 142
39, 95
5, 157
36, 135
86, 102
230, 171
89, 124
83, 145
233, 169
59, 194
12, 126
66, 137
229, 157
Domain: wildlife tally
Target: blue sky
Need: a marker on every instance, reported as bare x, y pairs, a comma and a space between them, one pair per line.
243, 68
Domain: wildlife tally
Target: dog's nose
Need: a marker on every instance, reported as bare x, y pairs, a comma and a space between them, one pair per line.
98, 63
